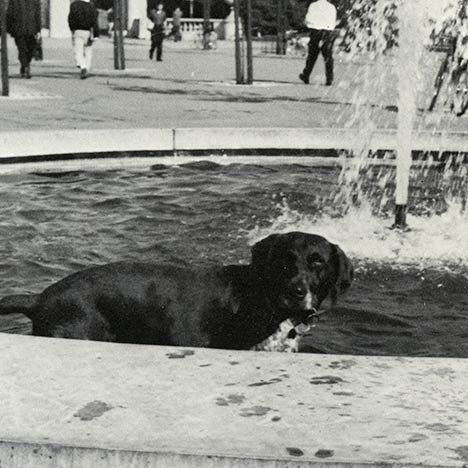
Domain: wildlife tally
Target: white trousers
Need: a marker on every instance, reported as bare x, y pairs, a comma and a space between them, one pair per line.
83, 51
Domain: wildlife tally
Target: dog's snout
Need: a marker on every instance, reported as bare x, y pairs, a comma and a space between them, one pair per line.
298, 290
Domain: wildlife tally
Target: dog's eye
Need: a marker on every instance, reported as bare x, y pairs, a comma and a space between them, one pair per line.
288, 263
315, 259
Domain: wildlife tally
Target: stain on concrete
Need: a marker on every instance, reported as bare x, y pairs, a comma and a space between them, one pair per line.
441, 372
276, 418
294, 451
326, 380
234, 363
254, 411
92, 410
343, 364
343, 393
324, 453
417, 437
233, 399
438, 427
204, 365
265, 382
382, 365
462, 452
180, 354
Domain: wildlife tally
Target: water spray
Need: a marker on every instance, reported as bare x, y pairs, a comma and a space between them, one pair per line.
411, 22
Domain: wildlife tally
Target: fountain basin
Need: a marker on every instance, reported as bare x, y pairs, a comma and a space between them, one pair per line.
82, 404
123, 148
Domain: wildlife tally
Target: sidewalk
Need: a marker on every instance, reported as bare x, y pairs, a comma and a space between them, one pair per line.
194, 88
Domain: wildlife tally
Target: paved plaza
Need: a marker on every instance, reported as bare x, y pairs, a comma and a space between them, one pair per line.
196, 88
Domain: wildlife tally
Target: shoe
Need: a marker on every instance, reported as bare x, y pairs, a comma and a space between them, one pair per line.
151, 55
304, 78
328, 83
159, 60
83, 74
27, 72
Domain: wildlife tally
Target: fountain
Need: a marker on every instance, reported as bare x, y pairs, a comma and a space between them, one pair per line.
193, 407
372, 41
410, 47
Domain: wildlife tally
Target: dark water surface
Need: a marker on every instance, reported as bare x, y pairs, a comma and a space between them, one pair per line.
410, 295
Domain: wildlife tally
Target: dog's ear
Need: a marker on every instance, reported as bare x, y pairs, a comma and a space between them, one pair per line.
344, 273
261, 252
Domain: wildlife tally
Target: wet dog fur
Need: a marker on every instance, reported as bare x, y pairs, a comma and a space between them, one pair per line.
230, 307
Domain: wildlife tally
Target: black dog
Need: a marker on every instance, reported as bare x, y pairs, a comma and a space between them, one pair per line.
232, 307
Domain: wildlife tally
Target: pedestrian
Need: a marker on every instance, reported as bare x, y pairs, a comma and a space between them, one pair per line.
158, 17
176, 22
83, 23
24, 24
321, 20
110, 21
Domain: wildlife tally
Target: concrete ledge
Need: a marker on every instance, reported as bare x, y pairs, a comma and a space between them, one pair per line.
88, 404
62, 142
132, 148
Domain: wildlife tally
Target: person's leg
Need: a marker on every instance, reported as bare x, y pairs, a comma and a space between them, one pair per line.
328, 39
153, 45
31, 44
159, 46
78, 48
22, 54
313, 51
81, 38
88, 53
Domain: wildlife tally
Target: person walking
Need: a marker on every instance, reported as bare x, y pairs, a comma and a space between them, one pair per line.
158, 17
176, 22
23, 22
321, 20
83, 23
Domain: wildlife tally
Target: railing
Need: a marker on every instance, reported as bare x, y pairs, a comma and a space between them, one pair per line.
190, 28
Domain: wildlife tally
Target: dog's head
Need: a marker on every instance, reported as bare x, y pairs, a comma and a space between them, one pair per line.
298, 271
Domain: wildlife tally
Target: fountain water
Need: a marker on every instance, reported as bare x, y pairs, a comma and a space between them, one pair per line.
411, 20
390, 43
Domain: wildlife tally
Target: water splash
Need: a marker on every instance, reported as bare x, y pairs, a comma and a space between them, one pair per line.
437, 241
379, 27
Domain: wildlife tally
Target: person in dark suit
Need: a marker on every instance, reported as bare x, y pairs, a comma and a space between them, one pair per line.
24, 24
158, 17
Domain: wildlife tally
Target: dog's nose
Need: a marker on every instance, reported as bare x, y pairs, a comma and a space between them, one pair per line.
299, 291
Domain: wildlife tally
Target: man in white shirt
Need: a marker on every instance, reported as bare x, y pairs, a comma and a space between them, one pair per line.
321, 20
